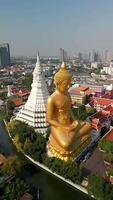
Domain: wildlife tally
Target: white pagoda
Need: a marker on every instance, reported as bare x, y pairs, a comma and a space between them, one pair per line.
34, 110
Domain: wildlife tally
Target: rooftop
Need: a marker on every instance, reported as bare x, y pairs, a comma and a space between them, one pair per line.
101, 101
109, 135
17, 102
81, 90
109, 108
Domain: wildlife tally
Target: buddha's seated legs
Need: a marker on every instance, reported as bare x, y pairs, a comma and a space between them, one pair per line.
85, 129
57, 148
67, 142
64, 139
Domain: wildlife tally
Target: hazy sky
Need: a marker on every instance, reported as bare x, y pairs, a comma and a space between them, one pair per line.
47, 25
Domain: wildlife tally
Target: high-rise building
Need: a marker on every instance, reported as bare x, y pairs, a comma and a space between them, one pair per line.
4, 55
63, 55
106, 56
80, 56
95, 56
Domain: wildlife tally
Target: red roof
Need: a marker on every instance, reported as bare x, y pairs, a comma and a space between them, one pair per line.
23, 93
103, 101
109, 108
108, 94
16, 90
101, 114
109, 135
79, 89
17, 102
96, 124
109, 178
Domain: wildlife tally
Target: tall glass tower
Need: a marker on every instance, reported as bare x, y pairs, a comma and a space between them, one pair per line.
4, 55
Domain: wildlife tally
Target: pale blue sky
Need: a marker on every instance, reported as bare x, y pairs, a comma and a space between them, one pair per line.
47, 25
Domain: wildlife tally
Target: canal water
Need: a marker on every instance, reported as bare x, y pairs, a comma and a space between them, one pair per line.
50, 187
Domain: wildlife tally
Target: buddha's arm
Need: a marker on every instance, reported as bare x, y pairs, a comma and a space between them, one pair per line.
50, 114
75, 122
72, 116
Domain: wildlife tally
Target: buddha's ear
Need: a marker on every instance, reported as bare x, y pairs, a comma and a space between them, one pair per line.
56, 84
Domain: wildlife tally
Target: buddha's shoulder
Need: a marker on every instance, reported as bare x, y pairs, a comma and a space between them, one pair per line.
51, 98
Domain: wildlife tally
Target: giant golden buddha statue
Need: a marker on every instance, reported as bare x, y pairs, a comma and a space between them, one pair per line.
68, 136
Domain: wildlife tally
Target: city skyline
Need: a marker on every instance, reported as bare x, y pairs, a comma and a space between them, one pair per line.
76, 26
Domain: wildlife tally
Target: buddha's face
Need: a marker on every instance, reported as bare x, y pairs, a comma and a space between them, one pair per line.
63, 86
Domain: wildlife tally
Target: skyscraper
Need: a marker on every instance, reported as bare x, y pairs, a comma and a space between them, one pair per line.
4, 55
63, 55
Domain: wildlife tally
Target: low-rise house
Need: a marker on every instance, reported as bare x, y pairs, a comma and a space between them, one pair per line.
100, 121
80, 94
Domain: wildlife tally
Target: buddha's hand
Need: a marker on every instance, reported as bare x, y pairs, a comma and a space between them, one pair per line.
67, 129
74, 125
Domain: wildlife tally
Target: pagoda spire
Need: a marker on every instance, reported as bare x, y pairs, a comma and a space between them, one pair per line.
38, 59
37, 73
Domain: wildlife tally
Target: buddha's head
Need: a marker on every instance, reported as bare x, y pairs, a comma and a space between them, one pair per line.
62, 78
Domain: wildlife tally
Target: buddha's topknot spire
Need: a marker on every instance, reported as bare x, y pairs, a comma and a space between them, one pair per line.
63, 65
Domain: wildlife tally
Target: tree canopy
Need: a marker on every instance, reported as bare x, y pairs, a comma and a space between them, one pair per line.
100, 188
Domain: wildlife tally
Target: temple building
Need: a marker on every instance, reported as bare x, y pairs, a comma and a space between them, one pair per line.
34, 110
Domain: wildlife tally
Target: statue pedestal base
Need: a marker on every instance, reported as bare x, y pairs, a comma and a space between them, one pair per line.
52, 152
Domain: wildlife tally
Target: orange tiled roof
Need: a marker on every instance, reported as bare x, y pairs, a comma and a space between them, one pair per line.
109, 108
102, 101
17, 102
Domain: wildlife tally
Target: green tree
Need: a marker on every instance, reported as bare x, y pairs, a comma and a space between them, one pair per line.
8, 115
36, 149
96, 186
27, 81
14, 190
106, 145
108, 157
21, 129
80, 112
3, 95
100, 188
68, 170
12, 166
10, 105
